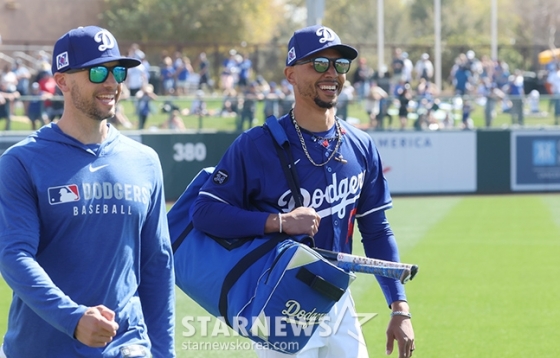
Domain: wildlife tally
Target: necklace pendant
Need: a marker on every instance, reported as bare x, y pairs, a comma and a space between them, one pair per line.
324, 141
341, 159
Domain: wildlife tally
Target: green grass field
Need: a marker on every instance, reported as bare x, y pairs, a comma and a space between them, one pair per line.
485, 288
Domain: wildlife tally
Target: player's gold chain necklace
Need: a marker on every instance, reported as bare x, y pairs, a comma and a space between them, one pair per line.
304, 147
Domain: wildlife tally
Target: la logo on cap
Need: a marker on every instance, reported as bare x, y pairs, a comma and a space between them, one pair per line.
326, 34
106, 40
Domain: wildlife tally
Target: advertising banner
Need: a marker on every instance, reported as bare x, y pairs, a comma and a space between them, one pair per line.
428, 162
535, 161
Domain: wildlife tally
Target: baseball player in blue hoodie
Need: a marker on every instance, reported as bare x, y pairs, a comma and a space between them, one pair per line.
84, 242
341, 181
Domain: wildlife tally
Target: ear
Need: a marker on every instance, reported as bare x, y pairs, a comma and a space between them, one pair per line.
61, 81
289, 73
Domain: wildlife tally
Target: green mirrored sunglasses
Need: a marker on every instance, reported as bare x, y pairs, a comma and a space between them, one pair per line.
99, 74
322, 64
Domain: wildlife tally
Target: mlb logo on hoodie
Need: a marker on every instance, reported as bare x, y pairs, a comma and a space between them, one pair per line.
63, 194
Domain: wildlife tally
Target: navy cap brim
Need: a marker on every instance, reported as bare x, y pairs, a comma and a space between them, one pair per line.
123, 61
346, 51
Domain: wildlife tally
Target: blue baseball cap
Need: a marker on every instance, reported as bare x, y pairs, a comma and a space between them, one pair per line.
313, 39
85, 47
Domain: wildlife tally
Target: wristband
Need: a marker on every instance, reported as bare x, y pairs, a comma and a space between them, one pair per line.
401, 313
280, 223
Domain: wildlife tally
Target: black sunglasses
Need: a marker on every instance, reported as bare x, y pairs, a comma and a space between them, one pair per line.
99, 74
322, 64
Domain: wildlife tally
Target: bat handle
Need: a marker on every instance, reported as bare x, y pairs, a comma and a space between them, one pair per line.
333, 256
329, 255
409, 274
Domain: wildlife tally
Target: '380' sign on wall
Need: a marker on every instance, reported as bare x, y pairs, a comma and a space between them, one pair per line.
184, 155
189, 152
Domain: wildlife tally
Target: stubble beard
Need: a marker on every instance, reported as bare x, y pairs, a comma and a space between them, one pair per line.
89, 107
311, 92
323, 104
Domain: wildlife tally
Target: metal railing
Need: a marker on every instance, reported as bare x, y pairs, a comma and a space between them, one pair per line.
32, 62
6, 58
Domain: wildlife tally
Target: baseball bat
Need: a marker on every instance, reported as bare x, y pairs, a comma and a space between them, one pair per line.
396, 270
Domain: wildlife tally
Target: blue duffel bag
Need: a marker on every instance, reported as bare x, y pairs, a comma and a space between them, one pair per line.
274, 289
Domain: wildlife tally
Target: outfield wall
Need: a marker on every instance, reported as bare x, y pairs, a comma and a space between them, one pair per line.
415, 162
184, 155
428, 162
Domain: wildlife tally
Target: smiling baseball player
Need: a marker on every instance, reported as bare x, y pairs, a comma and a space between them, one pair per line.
341, 180
84, 242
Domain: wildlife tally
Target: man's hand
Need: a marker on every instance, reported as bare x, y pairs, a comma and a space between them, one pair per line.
97, 327
300, 221
400, 329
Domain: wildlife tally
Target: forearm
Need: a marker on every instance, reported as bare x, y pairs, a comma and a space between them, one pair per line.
274, 223
228, 222
300, 221
157, 280
393, 290
157, 296
400, 306
34, 287
379, 242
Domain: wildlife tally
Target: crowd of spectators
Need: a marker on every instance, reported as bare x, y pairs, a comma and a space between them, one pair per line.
399, 96
406, 91
20, 80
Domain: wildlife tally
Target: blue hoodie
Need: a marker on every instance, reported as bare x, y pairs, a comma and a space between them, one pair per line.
81, 226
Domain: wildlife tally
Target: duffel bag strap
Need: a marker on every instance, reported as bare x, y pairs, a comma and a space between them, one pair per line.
182, 237
319, 284
282, 145
235, 273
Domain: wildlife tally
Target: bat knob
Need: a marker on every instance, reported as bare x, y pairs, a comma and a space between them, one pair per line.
409, 274
413, 271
